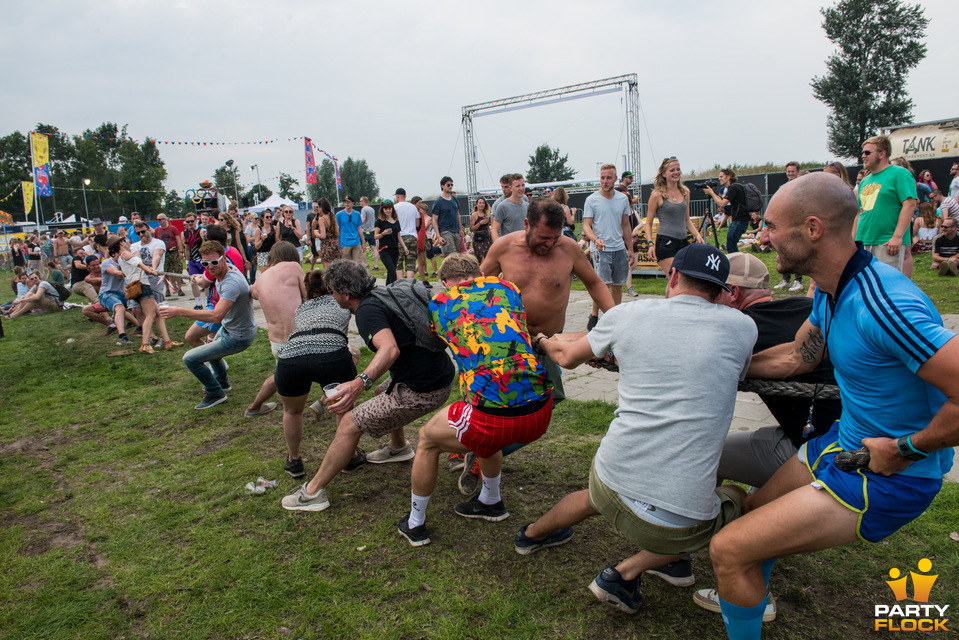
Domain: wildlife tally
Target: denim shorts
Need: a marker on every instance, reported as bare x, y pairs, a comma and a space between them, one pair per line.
110, 299
613, 267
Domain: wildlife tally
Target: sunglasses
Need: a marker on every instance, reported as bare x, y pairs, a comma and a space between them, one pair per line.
866, 152
667, 159
140, 233
210, 263
189, 222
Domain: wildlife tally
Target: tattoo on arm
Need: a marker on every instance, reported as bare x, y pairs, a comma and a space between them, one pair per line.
811, 348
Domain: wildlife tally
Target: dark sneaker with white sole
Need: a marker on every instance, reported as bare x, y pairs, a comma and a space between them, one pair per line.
476, 509
355, 462
609, 587
416, 536
525, 546
678, 574
471, 476
210, 400
294, 468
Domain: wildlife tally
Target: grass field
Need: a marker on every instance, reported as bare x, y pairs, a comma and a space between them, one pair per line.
124, 516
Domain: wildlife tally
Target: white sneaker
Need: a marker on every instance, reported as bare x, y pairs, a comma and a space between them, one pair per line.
797, 286
781, 285
631, 292
708, 599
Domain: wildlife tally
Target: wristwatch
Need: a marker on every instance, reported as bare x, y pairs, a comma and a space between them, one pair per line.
909, 452
367, 382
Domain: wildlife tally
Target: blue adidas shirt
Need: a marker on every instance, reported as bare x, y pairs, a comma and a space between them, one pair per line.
879, 330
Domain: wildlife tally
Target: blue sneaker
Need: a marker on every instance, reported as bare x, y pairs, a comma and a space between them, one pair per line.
525, 546
609, 587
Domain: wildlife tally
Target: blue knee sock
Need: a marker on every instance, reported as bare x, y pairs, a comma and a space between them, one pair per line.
743, 623
767, 568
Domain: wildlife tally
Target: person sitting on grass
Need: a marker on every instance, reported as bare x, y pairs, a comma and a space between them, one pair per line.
42, 295
507, 391
234, 312
420, 381
654, 475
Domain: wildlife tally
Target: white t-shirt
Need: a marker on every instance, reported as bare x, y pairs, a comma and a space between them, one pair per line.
407, 215
145, 252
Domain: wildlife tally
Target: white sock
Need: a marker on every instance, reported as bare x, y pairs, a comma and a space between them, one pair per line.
489, 494
418, 510
198, 301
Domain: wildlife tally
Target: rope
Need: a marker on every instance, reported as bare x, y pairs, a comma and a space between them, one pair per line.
789, 389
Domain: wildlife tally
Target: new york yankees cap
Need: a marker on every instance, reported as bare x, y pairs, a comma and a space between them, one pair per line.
703, 261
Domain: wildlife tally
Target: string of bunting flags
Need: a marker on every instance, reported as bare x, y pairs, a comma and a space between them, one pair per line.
11, 194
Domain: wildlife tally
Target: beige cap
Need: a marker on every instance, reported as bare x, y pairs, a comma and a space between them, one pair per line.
747, 271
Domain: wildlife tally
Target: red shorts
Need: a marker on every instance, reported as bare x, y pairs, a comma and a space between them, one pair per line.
484, 434
99, 308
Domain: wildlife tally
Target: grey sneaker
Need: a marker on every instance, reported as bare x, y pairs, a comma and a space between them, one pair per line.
386, 453
300, 500
210, 401
266, 407
469, 480
318, 409
631, 292
708, 599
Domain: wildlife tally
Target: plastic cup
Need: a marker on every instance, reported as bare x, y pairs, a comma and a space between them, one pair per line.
330, 391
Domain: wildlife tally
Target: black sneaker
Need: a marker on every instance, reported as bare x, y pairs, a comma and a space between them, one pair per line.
609, 587
123, 339
591, 322
294, 468
356, 461
154, 341
417, 536
197, 307
476, 509
678, 574
525, 546
210, 401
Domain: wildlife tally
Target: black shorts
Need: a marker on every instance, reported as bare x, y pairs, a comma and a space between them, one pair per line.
668, 247
294, 376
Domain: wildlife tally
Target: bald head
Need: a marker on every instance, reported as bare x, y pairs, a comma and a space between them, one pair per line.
822, 195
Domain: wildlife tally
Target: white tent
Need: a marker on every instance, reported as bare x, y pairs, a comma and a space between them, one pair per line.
273, 202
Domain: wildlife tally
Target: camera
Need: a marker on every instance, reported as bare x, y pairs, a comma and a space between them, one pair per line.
711, 183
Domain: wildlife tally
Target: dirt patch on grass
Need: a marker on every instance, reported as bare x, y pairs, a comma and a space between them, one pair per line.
33, 446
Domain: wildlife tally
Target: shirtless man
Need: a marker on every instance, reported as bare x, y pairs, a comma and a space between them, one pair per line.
61, 250
280, 290
541, 261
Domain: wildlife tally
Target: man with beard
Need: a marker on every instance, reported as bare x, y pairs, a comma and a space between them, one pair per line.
881, 464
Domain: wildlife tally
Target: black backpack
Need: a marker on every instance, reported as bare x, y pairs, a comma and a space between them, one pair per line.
62, 291
409, 299
754, 199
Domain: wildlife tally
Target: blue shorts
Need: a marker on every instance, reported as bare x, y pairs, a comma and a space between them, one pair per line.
212, 327
110, 299
193, 267
370, 239
884, 503
613, 267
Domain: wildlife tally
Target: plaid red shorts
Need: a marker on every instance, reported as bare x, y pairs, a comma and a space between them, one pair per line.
484, 434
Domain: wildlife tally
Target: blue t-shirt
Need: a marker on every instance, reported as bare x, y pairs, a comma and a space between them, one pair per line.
879, 331
447, 214
349, 223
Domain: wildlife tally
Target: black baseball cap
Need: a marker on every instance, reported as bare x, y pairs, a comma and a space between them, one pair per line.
400, 192
704, 262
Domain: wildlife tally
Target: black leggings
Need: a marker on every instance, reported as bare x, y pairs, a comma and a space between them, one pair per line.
389, 256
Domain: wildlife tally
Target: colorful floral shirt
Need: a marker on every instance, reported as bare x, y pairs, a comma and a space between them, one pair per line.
484, 323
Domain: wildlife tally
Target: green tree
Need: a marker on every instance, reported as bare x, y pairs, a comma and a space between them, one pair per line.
546, 165
878, 42
14, 169
358, 180
288, 185
261, 192
325, 185
223, 180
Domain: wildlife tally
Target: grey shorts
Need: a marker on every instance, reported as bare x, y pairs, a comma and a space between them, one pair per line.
613, 267
752, 457
452, 242
882, 255
667, 541
387, 412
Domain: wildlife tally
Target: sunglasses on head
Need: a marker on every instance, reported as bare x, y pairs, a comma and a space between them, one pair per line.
210, 263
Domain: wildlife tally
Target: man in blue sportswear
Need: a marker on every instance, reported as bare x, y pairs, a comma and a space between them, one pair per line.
898, 371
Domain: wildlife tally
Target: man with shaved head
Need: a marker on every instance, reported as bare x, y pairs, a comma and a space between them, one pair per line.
881, 464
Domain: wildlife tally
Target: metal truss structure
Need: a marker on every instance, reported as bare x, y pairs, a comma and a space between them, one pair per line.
629, 83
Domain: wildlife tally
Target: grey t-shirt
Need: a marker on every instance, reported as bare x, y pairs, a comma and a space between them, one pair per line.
680, 362
238, 323
672, 219
510, 215
49, 291
369, 218
111, 282
607, 218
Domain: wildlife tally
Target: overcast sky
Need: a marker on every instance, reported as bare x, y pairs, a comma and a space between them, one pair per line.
386, 81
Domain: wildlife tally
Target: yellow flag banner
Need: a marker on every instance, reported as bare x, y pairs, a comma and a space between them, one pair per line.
41, 149
6, 218
27, 197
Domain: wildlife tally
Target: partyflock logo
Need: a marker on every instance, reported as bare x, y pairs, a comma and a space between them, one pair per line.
912, 617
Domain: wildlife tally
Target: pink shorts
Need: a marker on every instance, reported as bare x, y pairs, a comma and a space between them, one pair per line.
484, 434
